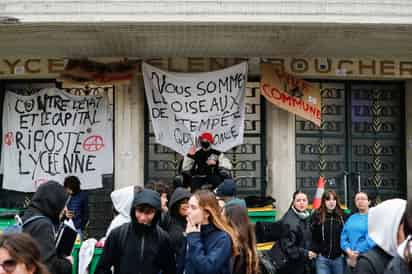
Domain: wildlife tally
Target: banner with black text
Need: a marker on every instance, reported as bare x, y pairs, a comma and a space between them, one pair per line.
53, 134
184, 105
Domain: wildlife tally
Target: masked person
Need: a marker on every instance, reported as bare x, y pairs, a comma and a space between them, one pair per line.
140, 246
206, 165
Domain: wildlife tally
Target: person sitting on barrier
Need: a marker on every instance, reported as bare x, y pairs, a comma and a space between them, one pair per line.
206, 165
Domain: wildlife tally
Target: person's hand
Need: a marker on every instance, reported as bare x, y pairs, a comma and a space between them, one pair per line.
352, 254
312, 255
192, 151
69, 214
211, 162
190, 227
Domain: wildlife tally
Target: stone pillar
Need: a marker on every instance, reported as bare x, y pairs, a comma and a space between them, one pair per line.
408, 132
129, 134
280, 136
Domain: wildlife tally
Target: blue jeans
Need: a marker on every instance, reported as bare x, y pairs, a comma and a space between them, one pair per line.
329, 266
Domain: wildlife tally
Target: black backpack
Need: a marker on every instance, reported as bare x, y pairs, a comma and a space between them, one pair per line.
377, 259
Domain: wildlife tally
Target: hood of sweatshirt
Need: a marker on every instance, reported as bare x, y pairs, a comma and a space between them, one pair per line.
383, 224
122, 200
50, 199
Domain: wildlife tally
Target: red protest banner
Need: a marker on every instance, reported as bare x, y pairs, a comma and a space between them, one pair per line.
287, 92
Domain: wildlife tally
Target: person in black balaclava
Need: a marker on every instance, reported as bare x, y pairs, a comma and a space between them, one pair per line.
140, 246
207, 166
48, 202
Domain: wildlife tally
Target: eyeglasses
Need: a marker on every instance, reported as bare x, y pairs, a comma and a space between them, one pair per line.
9, 265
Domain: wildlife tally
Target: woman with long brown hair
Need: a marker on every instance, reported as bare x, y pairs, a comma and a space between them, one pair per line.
247, 261
327, 225
19, 254
211, 241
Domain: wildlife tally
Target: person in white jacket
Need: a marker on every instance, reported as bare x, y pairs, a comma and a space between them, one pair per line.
122, 200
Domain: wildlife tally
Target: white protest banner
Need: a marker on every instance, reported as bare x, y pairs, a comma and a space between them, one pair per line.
53, 134
184, 105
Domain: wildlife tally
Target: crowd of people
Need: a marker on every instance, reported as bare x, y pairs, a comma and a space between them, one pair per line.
205, 229
210, 232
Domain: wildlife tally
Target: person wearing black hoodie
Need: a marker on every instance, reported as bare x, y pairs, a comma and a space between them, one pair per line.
140, 246
327, 225
48, 201
179, 206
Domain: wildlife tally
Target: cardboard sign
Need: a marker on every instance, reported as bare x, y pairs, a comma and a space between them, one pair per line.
290, 93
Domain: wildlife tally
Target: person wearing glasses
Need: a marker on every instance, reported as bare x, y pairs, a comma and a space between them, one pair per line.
19, 254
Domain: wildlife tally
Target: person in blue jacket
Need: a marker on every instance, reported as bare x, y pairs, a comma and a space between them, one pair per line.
210, 241
78, 205
354, 238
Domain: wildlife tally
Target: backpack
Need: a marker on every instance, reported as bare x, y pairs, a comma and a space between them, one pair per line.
377, 259
18, 226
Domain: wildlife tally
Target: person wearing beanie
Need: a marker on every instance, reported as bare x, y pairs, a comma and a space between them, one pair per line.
226, 194
206, 165
140, 246
47, 203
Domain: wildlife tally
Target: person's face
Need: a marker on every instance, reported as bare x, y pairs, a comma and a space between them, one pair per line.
301, 202
10, 266
164, 200
69, 191
145, 214
205, 144
196, 214
184, 208
221, 203
362, 202
330, 202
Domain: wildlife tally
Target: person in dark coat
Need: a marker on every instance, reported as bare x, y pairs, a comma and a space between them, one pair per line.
327, 225
78, 206
140, 246
210, 242
298, 242
179, 206
48, 201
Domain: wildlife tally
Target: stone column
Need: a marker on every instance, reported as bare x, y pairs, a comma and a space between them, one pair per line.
280, 136
129, 134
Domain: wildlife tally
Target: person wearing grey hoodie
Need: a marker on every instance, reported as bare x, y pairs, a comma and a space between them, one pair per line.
387, 227
122, 200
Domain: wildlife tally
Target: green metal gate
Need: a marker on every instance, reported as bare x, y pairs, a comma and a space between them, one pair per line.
361, 143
